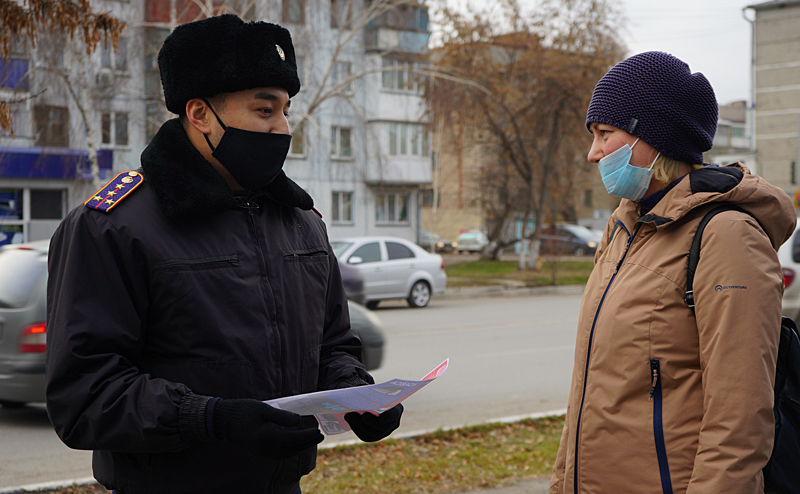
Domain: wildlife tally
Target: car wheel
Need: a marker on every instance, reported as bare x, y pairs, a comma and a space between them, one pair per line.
12, 404
580, 252
373, 304
420, 294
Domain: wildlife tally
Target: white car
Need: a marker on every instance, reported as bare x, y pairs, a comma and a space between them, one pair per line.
789, 257
471, 242
393, 268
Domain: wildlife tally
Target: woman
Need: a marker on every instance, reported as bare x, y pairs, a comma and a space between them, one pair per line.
664, 400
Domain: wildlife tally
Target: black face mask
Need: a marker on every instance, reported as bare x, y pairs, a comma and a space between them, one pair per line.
253, 159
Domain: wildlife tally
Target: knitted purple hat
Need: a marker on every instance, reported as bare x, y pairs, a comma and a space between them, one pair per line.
655, 97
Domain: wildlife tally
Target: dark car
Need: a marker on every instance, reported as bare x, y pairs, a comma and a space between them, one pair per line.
432, 242
23, 284
568, 239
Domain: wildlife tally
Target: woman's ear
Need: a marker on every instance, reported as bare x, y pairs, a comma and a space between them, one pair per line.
198, 115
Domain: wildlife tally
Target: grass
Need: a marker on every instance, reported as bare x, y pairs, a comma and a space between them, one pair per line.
438, 463
480, 273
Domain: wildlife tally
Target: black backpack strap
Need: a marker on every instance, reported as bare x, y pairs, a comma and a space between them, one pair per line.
694, 251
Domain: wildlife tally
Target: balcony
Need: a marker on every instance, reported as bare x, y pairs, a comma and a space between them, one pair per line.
379, 38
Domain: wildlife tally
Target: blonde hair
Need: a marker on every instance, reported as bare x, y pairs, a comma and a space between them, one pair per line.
666, 169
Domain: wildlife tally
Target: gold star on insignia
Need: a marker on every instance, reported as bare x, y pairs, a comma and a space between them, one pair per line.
97, 198
120, 186
109, 201
112, 192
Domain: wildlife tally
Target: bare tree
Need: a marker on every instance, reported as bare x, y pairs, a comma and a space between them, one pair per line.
27, 18
532, 79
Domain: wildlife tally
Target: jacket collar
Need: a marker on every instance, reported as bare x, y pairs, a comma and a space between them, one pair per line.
189, 187
733, 183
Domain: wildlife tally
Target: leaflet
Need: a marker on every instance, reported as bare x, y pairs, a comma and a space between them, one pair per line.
329, 407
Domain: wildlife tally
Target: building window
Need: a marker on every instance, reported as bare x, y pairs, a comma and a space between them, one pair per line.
428, 196
737, 131
341, 72
587, 198
294, 11
19, 119
52, 126
341, 145
408, 139
342, 207
114, 60
341, 14
402, 76
298, 141
114, 128
391, 208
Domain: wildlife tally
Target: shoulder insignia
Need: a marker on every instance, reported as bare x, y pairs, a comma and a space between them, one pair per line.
318, 213
114, 191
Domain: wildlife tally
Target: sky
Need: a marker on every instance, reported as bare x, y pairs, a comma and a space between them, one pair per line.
712, 36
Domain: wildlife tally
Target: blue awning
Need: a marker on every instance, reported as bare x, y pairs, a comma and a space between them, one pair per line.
53, 163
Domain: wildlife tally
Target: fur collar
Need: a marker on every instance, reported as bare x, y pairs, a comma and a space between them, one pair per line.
189, 187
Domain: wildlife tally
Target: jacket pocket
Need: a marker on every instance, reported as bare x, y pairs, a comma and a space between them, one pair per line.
314, 254
201, 264
658, 426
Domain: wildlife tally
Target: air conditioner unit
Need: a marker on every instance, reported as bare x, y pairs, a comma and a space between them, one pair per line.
104, 79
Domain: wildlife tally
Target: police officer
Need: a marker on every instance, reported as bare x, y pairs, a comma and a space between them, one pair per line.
182, 295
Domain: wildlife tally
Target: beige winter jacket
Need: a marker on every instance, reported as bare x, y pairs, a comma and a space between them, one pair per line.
662, 401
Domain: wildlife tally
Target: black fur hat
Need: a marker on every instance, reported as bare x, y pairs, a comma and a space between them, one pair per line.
224, 54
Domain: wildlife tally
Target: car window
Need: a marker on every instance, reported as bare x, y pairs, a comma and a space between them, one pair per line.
398, 251
340, 247
370, 252
19, 272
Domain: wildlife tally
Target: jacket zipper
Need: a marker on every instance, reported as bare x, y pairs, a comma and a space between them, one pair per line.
658, 427
250, 207
589, 349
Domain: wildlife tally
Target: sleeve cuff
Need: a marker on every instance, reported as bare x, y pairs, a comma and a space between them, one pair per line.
192, 419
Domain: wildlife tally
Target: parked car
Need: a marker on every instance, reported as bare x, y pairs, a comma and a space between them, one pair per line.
566, 239
471, 242
393, 268
23, 283
439, 245
789, 257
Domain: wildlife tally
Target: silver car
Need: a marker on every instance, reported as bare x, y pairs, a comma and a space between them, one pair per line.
23, 284
789, 257
393, 267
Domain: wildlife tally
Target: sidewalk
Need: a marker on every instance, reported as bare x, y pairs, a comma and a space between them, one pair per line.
508, 291
535, 486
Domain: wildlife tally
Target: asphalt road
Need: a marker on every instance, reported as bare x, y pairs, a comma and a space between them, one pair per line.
508, 357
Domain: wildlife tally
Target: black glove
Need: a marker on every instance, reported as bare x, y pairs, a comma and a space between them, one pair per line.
370, 428
258, 428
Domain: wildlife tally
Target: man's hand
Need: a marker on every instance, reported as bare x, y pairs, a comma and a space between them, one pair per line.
259, 428
370, 428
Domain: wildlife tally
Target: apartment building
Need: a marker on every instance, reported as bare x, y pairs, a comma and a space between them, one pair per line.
360, 146
776, 88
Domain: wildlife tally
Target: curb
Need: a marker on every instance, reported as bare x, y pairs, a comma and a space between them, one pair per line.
60, 484
57, 484
505, 291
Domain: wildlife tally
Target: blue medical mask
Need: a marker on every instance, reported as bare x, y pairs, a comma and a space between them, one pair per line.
623, 179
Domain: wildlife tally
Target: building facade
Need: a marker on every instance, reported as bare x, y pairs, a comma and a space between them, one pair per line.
360, 145
732, 141
776, 91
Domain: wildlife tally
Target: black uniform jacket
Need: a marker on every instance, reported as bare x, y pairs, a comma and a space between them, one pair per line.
184, 290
